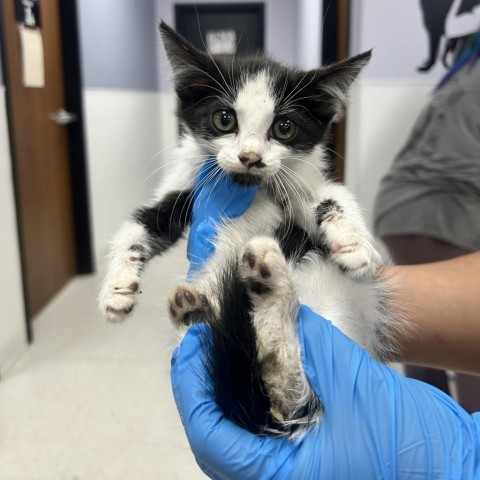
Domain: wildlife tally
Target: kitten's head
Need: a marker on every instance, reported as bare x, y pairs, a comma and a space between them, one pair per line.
255, 116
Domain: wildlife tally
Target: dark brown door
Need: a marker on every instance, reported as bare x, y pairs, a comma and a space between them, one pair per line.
41, 164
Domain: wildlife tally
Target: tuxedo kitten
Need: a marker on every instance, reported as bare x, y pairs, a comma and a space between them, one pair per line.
303, 239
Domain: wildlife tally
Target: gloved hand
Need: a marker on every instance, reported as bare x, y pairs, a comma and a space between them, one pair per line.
377, 424
216, 196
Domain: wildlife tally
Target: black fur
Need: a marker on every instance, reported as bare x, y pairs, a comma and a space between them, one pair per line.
166, 221
325, 207
232, 358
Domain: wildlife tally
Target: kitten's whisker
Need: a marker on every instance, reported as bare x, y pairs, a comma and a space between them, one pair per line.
298, 196
173, 145
334, 152
295, 175
166, 165
187, 204
194, 164
220, 177
222, 88
189, 201
290, 220
210, 55
285, 100
314, 166
201, 100
206, 145
292, 96
221, 92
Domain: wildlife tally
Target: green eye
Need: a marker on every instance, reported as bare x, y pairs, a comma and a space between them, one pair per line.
284, 129
224, 121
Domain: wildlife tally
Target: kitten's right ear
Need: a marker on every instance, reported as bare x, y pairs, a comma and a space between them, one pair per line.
188, 63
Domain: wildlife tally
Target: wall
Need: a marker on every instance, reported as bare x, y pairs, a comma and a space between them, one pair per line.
119, 46
12, 318
390, 93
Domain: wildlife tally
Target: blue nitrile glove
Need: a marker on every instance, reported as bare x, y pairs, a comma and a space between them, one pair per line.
377, 424
216, 196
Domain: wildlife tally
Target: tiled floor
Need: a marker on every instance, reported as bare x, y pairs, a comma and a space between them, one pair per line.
91, 400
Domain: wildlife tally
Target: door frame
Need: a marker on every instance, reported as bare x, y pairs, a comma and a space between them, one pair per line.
335, 47
76, 146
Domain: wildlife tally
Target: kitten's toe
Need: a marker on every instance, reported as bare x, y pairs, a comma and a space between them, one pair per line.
118, 299
183, 301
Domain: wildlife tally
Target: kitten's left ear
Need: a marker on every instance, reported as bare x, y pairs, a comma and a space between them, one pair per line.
334, 81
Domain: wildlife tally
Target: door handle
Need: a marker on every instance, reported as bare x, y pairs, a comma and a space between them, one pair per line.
62, 117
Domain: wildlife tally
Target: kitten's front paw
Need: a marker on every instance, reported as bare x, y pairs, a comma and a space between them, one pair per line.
356, 257
349, 242
118, 298
183, 301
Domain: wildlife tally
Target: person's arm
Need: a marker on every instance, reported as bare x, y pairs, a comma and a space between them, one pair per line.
463, 24
442, 301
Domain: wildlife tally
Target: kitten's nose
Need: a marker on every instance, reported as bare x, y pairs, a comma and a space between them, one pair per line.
250, 160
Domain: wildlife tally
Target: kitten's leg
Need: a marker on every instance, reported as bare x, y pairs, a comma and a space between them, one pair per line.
267, 277
341, 227
150, 231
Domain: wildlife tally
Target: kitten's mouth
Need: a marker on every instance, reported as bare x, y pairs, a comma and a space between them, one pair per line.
246, 179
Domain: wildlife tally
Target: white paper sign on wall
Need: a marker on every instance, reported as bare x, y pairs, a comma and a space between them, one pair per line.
33, 62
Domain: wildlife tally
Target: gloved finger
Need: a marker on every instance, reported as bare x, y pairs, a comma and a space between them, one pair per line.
217, 195
222, 448
330, 359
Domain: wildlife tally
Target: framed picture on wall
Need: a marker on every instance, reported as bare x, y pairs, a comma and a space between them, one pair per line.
223, 28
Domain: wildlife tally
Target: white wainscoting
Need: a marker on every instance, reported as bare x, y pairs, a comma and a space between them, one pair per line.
124, 144
13, 340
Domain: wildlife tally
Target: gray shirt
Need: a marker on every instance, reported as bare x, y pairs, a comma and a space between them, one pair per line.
433, 187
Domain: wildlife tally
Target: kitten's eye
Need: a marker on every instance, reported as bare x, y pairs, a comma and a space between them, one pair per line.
284, 129
224, 121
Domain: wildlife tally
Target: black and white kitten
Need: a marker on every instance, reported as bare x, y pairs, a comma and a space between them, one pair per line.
303, 239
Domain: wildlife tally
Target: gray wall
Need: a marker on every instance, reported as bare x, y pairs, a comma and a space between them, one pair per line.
119, 44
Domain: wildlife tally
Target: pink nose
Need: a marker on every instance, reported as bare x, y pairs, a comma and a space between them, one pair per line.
250, 160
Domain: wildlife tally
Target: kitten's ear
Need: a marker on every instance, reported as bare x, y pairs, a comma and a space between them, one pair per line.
334, 80
190, 65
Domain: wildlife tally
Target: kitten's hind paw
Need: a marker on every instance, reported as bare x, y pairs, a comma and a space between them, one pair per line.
263, 266
118, 299
183, 301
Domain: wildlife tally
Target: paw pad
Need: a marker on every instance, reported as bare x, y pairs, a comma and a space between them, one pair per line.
183, 301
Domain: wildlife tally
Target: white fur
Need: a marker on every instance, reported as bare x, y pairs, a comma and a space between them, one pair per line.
117, 298
255, 109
